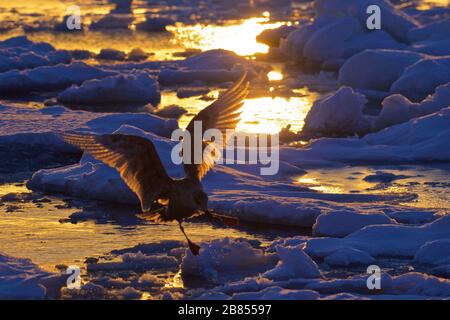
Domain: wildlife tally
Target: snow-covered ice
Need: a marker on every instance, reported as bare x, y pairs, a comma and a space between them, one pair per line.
226, 259
344, 222
21, 279
130, 89
338, 114
383, 240
294, 263
49, 78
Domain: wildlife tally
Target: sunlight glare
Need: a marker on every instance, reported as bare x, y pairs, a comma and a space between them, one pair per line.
240, 38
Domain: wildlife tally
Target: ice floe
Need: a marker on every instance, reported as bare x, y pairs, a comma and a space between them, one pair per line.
135, 88
21, 53
344, 222
294, 263
224, 259
418, 140
30, 127
49, 78
338, 114
383, 240
21, 279
346, 20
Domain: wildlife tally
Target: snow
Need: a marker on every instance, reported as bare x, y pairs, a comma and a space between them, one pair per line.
346, 20
344, 222
413, 217
38, 126
409, 73
294, 263
21, 53
383, 240
209, 67
349, 257
435, 253
49, 78
277, 293
135, 88
435, 30
376, 69
21, 279
421, 78
396, 23
418, 140
136, 261
224, 258
338, 114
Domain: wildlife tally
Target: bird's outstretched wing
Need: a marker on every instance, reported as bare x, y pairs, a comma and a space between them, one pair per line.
135, 158
223, 114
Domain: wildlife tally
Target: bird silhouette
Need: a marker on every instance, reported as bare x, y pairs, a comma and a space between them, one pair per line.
141, 168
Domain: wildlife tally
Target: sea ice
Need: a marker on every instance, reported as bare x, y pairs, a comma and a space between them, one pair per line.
294, 263
49, 78
226, 258
135, 88
338, 114
344, 222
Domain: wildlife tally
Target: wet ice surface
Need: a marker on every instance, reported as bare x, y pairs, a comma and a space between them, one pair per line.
104, 239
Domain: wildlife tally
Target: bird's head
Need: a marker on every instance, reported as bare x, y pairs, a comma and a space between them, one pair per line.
200, 199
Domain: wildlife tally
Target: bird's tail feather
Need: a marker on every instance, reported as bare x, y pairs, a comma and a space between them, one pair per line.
154, 216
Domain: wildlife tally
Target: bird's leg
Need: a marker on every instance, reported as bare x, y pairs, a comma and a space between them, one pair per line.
228, 221
195, 249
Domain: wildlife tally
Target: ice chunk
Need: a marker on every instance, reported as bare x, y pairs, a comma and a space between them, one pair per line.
435, 30
413, 217
419, 140
421, 78
21, 279
49, 78
294, 264
436, 253
344, 222
135, 88
383, 177
349, 257
395, 22
113, 21
384, 240
226, 259
376, 69
339, 114
277, 293
111, 54
272, 37
155, 24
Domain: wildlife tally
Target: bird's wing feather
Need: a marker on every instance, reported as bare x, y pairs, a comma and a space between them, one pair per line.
223, 114
135, 158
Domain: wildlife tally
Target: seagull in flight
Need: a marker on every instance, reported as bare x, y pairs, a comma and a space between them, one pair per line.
141, 168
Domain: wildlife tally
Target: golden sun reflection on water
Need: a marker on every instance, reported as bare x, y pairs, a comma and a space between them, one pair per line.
270, 115
239, 37
13, 188
429, 4
259, 115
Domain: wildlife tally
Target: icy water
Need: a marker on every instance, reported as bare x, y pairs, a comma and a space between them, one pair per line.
38, 226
